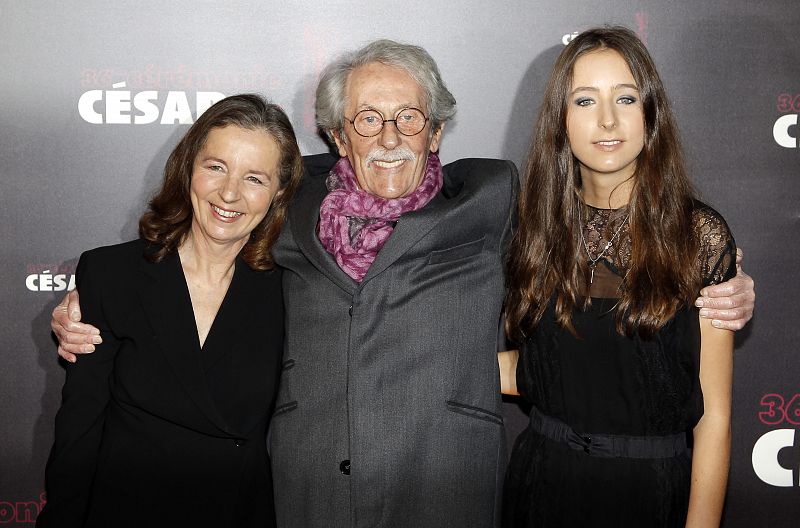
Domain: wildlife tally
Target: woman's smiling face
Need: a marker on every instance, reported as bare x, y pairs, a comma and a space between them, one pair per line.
605, 119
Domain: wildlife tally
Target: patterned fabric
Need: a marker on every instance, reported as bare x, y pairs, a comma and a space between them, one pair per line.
354, 225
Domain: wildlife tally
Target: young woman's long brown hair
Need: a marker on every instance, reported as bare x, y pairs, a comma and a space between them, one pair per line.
169, 216
545, 260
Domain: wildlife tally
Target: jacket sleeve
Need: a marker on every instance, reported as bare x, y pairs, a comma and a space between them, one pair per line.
509, 228
79, 422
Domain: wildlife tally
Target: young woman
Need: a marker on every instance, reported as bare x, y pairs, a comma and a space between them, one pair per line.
630, 390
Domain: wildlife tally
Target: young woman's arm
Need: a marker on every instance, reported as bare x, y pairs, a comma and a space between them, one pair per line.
712, 434
507, 361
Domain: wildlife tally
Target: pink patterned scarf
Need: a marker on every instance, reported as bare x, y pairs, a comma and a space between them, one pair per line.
354, 225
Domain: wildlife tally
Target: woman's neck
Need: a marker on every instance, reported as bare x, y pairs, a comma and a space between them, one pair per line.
211, 262
606, 194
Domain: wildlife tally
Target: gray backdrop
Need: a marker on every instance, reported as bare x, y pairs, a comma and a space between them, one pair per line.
92, 97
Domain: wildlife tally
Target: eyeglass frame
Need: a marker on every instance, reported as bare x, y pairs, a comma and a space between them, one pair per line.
384, 121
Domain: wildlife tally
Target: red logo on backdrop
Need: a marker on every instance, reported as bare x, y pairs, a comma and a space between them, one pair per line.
768, 464
22, 511
778, 410
785, 129
641, 26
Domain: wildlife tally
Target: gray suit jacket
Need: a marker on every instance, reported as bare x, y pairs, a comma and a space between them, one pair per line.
389, 412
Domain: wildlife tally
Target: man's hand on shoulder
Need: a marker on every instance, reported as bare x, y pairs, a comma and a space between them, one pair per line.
730, 304
73, 336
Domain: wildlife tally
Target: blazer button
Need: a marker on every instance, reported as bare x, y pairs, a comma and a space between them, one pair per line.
239, 442
350, 310
344, 467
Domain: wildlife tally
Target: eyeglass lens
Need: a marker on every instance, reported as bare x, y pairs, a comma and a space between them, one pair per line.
409, 122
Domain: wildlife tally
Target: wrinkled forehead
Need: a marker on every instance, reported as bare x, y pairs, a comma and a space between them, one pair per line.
383, 87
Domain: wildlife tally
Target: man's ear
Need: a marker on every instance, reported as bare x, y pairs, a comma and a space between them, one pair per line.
341, 143
436, 138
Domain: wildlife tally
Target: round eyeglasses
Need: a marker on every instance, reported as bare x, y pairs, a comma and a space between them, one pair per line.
409, 122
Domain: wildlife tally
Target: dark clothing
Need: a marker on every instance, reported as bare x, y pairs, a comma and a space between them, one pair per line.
608, 384
153, 430
389, 413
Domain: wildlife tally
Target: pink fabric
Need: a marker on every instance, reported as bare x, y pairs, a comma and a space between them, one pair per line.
354, 225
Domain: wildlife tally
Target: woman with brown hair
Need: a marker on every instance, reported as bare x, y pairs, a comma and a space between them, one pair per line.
165, 424
630, 390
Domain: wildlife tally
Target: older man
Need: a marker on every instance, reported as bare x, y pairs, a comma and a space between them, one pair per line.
389, 412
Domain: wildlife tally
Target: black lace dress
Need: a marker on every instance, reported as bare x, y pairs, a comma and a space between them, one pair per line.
605, 383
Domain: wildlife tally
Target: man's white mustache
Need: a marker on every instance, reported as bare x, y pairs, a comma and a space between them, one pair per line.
399, 153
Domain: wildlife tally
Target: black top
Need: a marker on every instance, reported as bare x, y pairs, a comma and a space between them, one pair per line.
606, 383
153, 430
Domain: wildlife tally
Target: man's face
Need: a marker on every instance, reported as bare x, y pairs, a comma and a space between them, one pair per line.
389, 165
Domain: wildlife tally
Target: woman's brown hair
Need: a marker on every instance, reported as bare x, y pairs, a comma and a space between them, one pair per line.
169, 216
545, 260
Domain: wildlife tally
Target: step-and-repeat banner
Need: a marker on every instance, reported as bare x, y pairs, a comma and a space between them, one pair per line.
95, 94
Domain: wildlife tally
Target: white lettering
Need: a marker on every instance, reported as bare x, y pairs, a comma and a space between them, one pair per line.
118, 102
123, 107
86, 107
765, 457
143, 101
31, 282
204, 100
60, 282
176, 107
780, 131
566, 39
45, 281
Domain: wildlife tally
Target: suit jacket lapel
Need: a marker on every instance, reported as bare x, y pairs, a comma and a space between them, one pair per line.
410, 228
413, 226
303, 217
167, 305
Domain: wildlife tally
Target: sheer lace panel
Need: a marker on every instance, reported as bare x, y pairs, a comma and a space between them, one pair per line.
717, 256
715, 260
603, 226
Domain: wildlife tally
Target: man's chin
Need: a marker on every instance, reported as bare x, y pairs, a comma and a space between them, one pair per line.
389, 188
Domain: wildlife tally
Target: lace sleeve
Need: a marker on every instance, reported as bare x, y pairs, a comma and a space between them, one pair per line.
716, 256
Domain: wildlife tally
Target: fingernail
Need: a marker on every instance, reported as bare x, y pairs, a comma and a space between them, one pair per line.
97, 340
88, 348
716, 324
71, 360
704, 312
699, 303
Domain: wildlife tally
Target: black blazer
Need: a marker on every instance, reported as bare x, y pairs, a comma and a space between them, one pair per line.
152, 430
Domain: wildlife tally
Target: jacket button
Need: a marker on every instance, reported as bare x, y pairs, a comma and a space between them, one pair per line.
350, 310
239, 442
344, 467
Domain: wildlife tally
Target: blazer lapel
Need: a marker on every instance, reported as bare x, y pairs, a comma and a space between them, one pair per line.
303, 217
229, 316
168, 307
237, 346
412, 226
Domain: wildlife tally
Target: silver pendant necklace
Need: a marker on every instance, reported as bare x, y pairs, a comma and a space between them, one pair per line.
593, 261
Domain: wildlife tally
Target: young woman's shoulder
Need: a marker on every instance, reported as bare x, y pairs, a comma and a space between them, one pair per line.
717, 247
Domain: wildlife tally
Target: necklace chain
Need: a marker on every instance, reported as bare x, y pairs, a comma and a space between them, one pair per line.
593, 261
